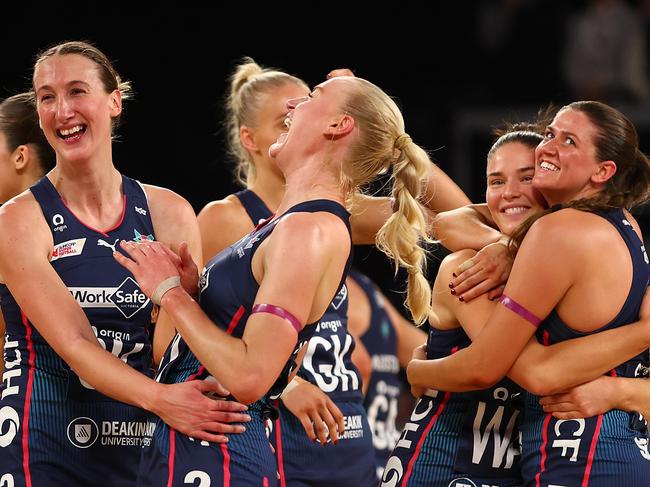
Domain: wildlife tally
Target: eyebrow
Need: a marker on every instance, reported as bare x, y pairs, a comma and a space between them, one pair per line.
520, 170
564, 132
69, 83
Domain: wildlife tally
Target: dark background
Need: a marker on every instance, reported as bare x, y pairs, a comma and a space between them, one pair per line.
456, 70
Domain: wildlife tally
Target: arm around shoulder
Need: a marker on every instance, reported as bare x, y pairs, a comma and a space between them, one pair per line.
468, 227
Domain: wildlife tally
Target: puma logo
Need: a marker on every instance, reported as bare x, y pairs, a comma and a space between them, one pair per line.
104, 243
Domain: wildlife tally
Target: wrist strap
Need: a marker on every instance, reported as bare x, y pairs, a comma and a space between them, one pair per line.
514, 306
290, 387
278, 311
163, 287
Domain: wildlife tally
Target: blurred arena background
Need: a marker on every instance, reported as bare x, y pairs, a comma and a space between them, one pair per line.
457, 69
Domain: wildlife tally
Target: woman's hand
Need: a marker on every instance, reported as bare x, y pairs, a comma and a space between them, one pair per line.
149, 263
190, 408
186, 267
583, 401
316, 412
335, 73
486, 272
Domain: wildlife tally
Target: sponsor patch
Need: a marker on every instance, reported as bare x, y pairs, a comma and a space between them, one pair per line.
128, 298
82, 432
68, 249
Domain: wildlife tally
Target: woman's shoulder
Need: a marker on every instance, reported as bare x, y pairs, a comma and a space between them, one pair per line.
228, 210
23, 228
567, 223
222, 223
453, 260
166, 205
20, 211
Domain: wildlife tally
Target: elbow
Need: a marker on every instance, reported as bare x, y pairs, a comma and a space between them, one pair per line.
484, 379
248, 388
537, 382
481, 371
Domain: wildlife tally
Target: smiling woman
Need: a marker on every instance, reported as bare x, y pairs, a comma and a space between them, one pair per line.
260, 300
78, 325
590, 168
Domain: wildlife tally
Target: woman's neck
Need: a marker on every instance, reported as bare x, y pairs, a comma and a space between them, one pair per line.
310, 182
92, 191
269, 185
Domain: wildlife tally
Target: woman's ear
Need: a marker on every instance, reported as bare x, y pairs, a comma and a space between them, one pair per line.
115, 103
604, 173
247, 138
20, 157
340, 126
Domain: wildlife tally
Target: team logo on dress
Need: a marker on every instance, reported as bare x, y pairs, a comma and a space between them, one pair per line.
340, 297
68, 248
464, 482
141, 237
58, 223
8, 432
82, 432
642, 443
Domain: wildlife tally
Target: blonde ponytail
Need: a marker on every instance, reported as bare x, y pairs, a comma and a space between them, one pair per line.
400, 237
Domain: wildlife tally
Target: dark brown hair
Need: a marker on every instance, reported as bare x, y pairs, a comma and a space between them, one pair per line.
616, 140
19, 124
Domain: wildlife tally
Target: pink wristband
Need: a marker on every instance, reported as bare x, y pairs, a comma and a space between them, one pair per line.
514, 306
277, 311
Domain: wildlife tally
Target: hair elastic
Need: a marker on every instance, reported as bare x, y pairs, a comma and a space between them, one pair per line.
514, 306
277, 311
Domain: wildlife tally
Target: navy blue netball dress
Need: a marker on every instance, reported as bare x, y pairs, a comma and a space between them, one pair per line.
328, 365
385, 387
605, 450
458, 439
55, 429
227, 294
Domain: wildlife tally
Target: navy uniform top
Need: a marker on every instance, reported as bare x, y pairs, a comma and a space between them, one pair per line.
382, 396
490, 415
254, 206
68, 425
553, 329
608, 449
227, 294
119, 312
328, 360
